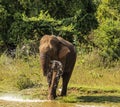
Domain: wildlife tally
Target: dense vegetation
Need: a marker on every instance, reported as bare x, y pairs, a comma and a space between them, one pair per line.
91, 25
88, 84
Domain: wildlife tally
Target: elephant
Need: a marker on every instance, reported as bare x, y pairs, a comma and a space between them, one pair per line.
55, 48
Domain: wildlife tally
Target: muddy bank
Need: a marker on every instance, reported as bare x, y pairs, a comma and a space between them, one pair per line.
40, 103
83, 99
4, 103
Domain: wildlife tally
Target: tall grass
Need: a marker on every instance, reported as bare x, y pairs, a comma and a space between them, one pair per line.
18, 74
91, 71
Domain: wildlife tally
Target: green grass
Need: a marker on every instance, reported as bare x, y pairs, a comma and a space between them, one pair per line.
89, 71
90, 81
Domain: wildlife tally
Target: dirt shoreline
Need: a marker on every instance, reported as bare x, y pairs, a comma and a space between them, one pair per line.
4, 103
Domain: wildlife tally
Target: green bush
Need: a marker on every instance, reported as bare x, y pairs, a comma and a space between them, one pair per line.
24, 82
107, 39
23, 20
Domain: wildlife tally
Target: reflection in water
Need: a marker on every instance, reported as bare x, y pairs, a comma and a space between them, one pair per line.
13, 101
9, 100
19, 99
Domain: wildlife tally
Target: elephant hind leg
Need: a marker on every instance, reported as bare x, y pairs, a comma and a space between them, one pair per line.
66, 78
67, 74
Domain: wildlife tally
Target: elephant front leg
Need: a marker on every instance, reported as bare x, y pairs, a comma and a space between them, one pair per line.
52, 86
66, 78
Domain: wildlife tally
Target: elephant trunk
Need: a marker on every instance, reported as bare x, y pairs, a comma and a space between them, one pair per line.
52, 87
44, 63
53, 78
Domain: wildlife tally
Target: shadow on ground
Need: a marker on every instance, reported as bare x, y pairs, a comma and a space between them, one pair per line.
99, 99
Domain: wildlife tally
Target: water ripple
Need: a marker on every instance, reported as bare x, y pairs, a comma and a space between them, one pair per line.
19, 99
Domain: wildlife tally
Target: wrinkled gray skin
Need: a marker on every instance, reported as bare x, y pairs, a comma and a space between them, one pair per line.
56, 48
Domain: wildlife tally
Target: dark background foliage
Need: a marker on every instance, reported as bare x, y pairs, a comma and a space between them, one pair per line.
88, 24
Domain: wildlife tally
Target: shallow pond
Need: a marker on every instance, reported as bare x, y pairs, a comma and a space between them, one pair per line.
11, 101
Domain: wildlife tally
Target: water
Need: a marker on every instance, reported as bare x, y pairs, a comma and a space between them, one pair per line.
17, 101
20, 99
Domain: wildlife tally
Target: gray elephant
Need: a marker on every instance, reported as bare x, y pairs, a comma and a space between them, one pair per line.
56, 48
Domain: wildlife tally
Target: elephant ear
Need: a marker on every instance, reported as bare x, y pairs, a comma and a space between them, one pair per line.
63, 51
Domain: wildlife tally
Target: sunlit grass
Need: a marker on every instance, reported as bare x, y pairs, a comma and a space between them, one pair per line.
11, 71
24, 76
89, 71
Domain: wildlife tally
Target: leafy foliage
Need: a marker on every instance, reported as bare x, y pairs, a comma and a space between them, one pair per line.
85, 23
24, 82
107, 36
22, 19
107, 39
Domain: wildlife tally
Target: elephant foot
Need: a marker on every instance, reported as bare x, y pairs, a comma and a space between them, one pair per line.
63, 93
51, 97
51, 94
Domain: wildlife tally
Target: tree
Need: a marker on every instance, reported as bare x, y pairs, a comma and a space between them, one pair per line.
107, 36
24, 20
8, 15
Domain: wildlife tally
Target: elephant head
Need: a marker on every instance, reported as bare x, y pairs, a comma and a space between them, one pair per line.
55, 48
51, 48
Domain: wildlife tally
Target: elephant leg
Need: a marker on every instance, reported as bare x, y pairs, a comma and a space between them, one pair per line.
65, 80
66, 75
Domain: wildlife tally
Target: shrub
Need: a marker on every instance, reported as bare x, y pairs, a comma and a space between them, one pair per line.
24, 82
106, 38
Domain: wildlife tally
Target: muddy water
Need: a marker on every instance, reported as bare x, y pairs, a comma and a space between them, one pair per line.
32, 104
11, 101
4, 103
